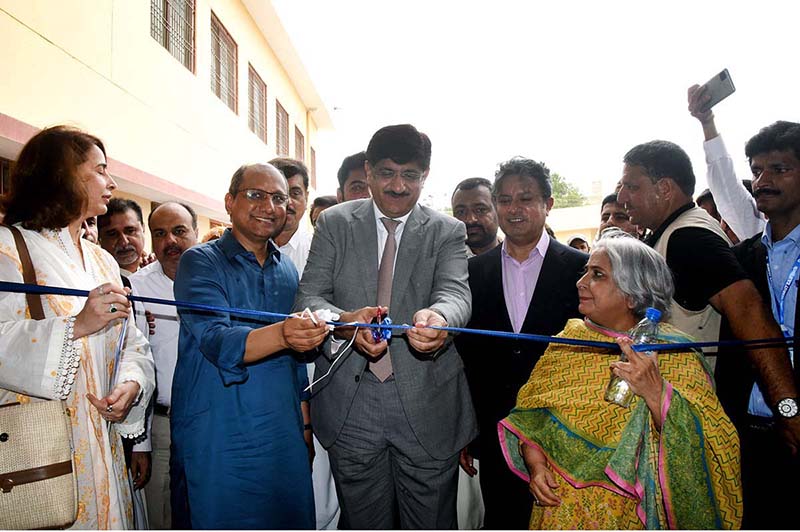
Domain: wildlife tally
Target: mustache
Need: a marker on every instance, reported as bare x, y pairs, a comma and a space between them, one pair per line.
394, 194
766, 190
124, 250
173, 247
475, 226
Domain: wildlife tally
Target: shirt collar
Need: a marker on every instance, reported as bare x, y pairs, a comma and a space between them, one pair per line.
766, 237
231, 247
378, 214
541, 247
653, 238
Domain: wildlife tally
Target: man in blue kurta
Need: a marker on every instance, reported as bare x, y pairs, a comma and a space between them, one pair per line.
240, 458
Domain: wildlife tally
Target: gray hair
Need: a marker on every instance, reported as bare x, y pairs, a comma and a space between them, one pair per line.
638, 271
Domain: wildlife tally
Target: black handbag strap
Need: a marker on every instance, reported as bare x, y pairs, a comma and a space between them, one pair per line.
28, 273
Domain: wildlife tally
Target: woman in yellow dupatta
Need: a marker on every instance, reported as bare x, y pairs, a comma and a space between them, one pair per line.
671, 460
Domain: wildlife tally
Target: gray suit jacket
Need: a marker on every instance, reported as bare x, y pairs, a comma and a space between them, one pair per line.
430, 272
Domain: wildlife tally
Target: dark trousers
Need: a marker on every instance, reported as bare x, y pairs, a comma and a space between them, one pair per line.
770, 477
506, 499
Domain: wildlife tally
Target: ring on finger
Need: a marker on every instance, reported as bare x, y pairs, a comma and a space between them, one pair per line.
113, 308
109, 409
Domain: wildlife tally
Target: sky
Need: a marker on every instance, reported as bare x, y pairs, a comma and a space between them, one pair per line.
572, 84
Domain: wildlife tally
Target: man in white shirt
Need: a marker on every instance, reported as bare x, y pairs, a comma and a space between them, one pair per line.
173, 228
295, 242
734, 202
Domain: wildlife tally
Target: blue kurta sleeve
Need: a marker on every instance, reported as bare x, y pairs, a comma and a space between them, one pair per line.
200, 281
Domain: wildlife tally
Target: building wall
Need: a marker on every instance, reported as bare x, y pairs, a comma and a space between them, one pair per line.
93, 64
570, 221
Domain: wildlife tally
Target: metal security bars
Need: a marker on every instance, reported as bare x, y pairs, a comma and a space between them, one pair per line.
299, 145
257, 94
223, 64
281, 130
313, 157
172, 25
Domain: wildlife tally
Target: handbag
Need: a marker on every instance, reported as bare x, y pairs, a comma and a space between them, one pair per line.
38, 485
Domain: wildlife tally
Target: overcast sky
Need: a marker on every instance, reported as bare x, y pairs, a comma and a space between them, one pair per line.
573, 84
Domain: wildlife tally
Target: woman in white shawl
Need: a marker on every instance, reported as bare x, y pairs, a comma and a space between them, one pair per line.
59, 180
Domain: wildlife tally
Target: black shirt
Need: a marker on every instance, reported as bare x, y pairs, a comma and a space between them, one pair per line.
701, 261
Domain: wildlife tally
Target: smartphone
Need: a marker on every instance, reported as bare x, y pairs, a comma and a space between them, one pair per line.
718, 88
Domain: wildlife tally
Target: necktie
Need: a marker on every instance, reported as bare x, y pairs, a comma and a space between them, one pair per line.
382, 368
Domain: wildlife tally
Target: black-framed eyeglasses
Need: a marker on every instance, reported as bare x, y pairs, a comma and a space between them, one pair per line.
256, 195
387, 174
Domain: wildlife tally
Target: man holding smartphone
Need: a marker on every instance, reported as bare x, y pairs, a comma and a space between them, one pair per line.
734, 202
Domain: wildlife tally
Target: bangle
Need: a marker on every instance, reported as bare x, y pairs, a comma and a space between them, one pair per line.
307, 426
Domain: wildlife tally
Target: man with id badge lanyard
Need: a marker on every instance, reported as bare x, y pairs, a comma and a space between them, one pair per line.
769, 428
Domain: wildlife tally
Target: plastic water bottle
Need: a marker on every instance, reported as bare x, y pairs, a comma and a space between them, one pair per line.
645, 332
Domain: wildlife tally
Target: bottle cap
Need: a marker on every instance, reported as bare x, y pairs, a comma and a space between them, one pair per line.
653, 314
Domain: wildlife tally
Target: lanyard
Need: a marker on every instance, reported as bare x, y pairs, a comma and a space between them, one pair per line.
780, 302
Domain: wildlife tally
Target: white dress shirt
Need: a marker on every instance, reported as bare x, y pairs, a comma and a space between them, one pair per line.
151, 281
297, 249
735, 204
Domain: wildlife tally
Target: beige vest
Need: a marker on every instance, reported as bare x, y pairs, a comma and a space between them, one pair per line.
701, 324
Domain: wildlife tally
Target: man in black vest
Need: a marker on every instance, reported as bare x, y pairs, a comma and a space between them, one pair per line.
768, 424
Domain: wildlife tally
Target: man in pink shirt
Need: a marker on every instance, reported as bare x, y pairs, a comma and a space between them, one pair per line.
525, 285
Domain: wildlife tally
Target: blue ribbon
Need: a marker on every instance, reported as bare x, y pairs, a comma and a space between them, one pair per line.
22, 288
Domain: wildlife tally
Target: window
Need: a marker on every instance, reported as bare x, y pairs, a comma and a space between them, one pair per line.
172, 25
281, 130
257, 94
223, 64
313, 167
5, 175
299, 145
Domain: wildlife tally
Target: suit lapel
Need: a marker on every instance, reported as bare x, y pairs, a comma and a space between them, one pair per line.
409, 252
365, 238
494, 287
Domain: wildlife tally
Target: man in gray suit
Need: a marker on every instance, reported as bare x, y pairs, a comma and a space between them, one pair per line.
393, 415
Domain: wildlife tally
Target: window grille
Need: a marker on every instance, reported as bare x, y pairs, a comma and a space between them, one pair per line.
281, 130
257, 94
299, 145
313, 155
223, 64
172, 25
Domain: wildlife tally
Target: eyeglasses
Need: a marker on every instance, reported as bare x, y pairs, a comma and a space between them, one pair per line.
256, 195
387, 174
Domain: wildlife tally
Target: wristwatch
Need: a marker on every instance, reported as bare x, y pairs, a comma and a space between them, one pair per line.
787, 407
